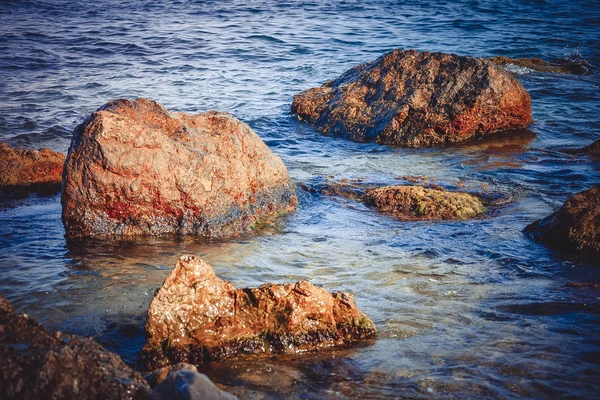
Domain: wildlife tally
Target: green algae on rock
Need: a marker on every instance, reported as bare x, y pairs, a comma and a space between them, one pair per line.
135, 168
415, 203
574, 227
195, 317
417, 99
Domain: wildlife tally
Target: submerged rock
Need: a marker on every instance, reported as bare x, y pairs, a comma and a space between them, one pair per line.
30, 169
159, 375
415, 203
593, 149
186, 384
196, 317
414, 99
135, 168
566, 66
40, 365
575, 227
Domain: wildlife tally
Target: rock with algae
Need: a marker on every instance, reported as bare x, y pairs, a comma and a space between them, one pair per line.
135, 168
574, 227
414, 203
417, 99
566, 66
37, 364
195, 317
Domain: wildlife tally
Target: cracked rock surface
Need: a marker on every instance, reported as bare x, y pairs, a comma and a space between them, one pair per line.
196, 317
135, 168
417, 99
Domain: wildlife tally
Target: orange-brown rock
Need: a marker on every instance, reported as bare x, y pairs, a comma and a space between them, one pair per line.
414, 203
36, 364
135, 168
414, 99
574, 227
195, 317
30, 168
566, 66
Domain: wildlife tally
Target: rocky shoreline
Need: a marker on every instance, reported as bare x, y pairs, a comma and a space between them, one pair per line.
135, 168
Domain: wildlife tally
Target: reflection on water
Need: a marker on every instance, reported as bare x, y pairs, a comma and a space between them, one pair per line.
463, 309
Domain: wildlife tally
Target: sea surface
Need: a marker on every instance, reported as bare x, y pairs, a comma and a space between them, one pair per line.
463, 309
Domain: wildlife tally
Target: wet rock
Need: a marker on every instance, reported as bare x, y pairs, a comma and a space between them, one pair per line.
160, 374
414, 99
593, 149
575, 227
196, 317
135, 168
575, 66
30, 169
577, 285
39, 365
414, 203
188, 385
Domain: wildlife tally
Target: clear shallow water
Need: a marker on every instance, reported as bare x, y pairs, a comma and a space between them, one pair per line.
465, 309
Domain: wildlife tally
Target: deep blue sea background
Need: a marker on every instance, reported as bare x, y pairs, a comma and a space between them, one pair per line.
464, 309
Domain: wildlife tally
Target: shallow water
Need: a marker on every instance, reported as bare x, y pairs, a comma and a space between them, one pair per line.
464, 309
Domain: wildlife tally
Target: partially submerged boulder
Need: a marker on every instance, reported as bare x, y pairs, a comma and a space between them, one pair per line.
135, 168
186, 384
565, 66
574, 227
417, 203
593, 149
39, 365
195, 317
30, 169
414, 99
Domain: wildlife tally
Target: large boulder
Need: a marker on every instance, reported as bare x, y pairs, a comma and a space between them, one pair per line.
414, 99
195, 317
39, 365
30, 169
135, 168
574, 227
418, 203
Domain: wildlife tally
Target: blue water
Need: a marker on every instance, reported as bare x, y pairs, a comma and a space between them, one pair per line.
464, 309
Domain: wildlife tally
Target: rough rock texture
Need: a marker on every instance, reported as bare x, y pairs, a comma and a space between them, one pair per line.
159, 375
188, 385
566, 66
413, 203
39, 365
196, 317
575, 227
593, 149
30, 168
135, 168
414, 99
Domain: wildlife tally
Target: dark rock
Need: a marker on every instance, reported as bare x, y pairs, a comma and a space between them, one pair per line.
196, 317
30, 169
577, 285
160, 374
135, 168
414, 99
576, 66
593, 149
575, 227
40, 365
415, 203
188, 385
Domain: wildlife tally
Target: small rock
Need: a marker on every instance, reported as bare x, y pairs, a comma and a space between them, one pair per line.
30, 169
39, 365
188, 385
135, 168
415, 203
566, 66
196, 317
593, 149
417, 99
575, 227
159, 375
